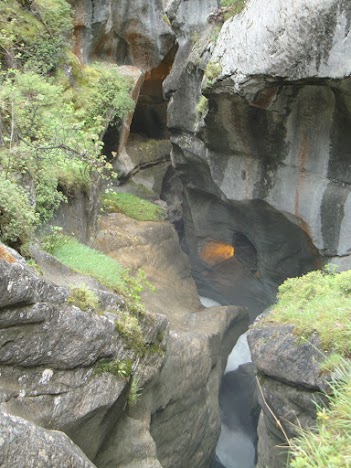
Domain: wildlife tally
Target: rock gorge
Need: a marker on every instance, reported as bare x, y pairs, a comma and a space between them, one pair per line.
243, 130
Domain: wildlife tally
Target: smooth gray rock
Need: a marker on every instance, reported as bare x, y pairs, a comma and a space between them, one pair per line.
292, 40
19, 284
25, 444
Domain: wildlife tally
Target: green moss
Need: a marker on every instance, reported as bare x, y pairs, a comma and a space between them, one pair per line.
117, 368
318, 302
128, 327
84, 298
202, 107
132, 206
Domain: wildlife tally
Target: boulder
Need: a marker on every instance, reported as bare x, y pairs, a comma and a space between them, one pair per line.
25, 444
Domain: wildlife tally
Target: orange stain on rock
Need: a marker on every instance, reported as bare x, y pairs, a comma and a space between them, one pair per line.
216, 252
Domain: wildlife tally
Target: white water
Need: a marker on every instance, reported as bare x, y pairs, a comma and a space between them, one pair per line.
234, 449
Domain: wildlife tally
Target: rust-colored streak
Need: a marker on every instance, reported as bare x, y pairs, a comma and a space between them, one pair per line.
5, 255
265, 97
216, 252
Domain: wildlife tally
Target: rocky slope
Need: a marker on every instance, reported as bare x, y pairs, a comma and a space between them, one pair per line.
51, 353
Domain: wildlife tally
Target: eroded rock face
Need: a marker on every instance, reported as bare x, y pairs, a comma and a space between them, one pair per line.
290, 385
270, 144
179, 408
129, 33
49, 353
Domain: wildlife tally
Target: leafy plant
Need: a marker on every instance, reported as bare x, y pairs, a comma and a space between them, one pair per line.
117, 368
17, 217
132, 206
84, 298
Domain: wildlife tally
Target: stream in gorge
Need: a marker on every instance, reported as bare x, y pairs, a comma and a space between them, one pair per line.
236, 446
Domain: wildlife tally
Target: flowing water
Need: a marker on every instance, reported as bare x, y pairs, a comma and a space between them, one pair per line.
236, 446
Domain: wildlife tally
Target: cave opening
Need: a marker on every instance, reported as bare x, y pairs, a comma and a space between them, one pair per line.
150, 115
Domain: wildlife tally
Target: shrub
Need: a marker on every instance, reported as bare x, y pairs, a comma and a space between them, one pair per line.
233, 7
17, 216
202, 107
36, 34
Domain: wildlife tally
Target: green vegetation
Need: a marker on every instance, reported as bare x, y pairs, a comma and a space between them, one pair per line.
106, 270
134, 392
212, 72
233, 7
132, 206
128, 327
88, 261
17, 216
117, 368
202, 107
330, 444
53, 114
319, 302
84, 298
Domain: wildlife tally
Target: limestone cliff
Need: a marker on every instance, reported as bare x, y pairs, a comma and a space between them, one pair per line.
265, 160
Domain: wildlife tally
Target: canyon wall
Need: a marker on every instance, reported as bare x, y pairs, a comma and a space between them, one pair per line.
259, 118
265, 160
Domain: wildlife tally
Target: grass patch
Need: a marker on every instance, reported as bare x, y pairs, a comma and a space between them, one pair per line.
88, 261
319, 302
132, 206
330, 445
